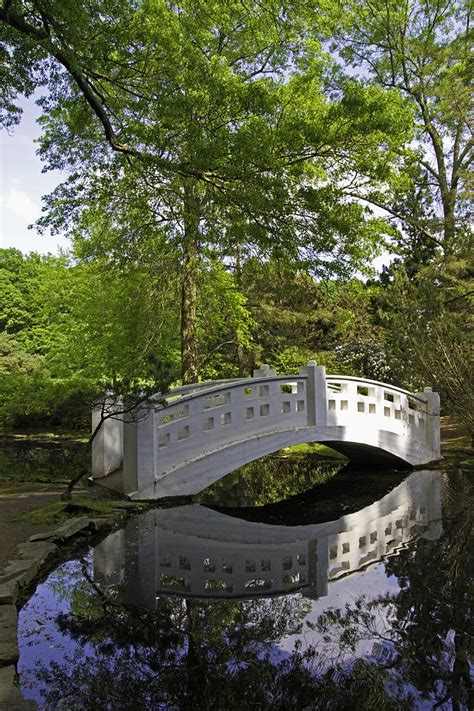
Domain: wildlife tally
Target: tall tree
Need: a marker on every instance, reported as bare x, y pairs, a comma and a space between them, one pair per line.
212, 124
422, 48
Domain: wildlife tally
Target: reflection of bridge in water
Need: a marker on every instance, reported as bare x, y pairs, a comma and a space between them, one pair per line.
194, 551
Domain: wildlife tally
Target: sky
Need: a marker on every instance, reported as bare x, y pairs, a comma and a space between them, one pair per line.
22, 184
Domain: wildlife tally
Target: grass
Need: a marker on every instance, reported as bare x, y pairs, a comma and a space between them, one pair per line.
20, 487
314, 448
60, 511
60, 435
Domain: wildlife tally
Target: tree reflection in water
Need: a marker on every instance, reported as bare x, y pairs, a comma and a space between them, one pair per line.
192, 653
195, 654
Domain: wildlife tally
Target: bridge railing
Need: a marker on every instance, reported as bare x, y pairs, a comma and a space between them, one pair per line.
202, 421
190, 422
391, 408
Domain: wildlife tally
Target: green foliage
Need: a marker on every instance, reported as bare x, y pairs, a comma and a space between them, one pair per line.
224, 322
77, 329
270, 480
430, 324
60, 511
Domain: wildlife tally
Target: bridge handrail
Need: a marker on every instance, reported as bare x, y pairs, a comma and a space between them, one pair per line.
185, 392
227, 385
379, 383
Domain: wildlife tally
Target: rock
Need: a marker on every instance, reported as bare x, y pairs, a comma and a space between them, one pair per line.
10, 695
39, 551
8, 634
21, 570
101, 524
71, 528
9, 592
46, 536
119, 516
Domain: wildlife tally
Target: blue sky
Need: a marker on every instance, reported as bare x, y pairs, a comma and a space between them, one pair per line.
22, 185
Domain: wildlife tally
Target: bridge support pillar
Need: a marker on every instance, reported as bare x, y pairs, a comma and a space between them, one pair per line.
317, 402
264, 372
107, 447
433, 406
139, 464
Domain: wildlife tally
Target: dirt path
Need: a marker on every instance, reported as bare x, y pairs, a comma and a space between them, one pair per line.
13, 532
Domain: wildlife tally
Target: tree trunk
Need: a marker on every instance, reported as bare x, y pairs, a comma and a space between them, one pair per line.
240, 349
449, 222
189, 373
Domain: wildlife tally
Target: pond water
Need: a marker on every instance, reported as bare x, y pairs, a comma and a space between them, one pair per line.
37, 461
354, 594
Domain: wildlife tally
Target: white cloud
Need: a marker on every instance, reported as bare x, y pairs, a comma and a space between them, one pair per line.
22, 205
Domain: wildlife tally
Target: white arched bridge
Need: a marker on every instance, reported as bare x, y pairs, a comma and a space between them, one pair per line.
180, 443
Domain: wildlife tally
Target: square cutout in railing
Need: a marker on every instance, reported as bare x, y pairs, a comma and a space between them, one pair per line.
285, 407
208, 565
172, 581
289, 388
249, 413
391, 397
291, 578
217, 584
177, 415
184, 563
183, 433
164, 440
259, 583
208, 424
365, 391
300, 406
264, 410
218, 400
226, 418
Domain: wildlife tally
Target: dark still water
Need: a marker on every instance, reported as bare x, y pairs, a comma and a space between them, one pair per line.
354, 595
36, 461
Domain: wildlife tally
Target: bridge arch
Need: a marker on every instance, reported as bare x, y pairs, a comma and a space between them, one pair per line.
197, 434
